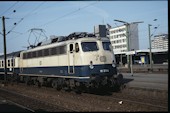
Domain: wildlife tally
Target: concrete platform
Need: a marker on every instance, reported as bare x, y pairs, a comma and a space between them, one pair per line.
146, 80
157, 69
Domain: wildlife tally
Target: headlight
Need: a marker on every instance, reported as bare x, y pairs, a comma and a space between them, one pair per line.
103, 58
91, 65
113, 64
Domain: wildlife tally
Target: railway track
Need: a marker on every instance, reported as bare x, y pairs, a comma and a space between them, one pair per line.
145, 70
126, 100
18, 107
29, 103
134, 100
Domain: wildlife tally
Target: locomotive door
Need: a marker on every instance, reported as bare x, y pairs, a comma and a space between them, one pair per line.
71, 53
21, 63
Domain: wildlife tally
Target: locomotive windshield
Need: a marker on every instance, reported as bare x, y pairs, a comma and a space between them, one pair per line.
89, 46
106, 46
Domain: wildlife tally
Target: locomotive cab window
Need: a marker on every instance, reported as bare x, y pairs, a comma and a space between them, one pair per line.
107, 46
89, 46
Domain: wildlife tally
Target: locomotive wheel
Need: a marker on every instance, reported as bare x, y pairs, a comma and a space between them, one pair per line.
56, 85
78, 89
27, 80
37, 83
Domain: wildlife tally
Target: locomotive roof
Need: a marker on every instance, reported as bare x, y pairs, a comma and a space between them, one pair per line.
64, 40
12, 55
67, 42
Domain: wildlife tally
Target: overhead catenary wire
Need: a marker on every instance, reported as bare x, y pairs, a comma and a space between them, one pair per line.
155, 28
15, 25
19, 34
33, 10
68, 14
9, 8
16, 9
25, 17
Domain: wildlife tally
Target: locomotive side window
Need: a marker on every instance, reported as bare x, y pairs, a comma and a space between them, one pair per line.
106, 46
0, 63
89, 46
77, 47
46, 52
24, 55
53, 51
29, 55
57, 50
34, 54
62, 49
40, 53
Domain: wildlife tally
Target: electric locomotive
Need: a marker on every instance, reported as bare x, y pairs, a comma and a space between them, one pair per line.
78, 61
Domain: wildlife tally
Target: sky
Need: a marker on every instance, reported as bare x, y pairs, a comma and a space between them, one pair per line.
62, 18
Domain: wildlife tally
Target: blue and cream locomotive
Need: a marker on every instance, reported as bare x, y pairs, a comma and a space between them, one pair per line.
79, 60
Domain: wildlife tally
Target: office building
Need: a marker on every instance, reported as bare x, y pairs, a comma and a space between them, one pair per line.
160, 41
118, 38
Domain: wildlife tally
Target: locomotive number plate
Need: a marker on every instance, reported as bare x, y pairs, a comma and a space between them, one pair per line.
104, 70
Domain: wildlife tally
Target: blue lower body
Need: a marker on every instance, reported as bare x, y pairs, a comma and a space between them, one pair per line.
99, 75
79, 71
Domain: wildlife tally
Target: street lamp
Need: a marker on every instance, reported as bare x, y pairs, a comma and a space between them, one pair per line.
127, 36
150, 47
150, 52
